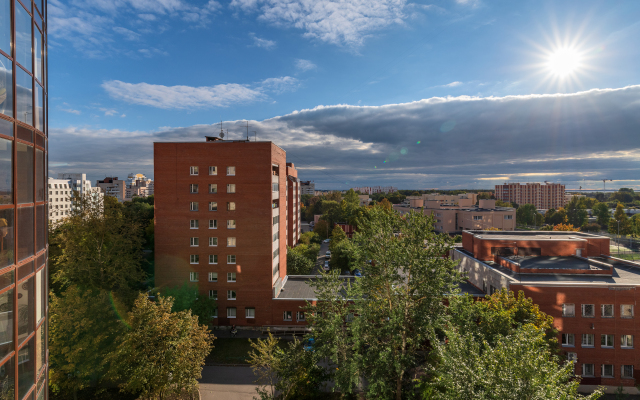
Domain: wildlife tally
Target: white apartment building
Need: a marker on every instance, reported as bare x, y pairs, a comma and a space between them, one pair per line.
307, 187
61, 192
375, 189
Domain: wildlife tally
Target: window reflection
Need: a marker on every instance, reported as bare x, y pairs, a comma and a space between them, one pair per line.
23, 36
40, 354
25, 233
26, 363
24, 101
6, 172
37, 44
25, 173
5, 26
39, 123
6, 85
25, 309
41, 226
6, 323
39, 292
7, 372
6, 237
39, 175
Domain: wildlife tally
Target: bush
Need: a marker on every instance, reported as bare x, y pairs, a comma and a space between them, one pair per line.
592, 227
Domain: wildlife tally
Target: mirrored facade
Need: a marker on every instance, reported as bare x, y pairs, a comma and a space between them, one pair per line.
23, 200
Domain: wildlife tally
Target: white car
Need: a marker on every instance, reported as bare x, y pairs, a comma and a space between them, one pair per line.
326, 241
328, 254
326, 266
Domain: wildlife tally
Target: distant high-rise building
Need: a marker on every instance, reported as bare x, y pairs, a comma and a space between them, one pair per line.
136, 185
61, 193
307, 187
375, 189
23, 200
224, 212
549, 195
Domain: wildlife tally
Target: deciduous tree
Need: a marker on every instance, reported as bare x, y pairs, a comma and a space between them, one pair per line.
298, 263
602, 214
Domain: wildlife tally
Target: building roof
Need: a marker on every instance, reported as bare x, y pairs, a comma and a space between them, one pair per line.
558, 263
534, 235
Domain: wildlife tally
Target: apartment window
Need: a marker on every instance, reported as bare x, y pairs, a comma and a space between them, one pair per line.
587, 340
484, 286
276, 252
231, 242
195, 242
231, 224
626, 310
231, 206
213, 258
627, 341
213, 224
607, 310
215, 313
193, 188
588, 310
231, 171
300, 316
477, 217
213, 241
193, 206
287, 316
231, 259
508, 217
193, 276
492, 290
606, 340
568, 310
213, 170
276, 219
231, 312
194, 259
213, 206
213, 294
572, 357
231, 294
231, 187
587, 370
607, 371
213, 188
250, 312
193, 170
627, 371
231, 276
568, 339
213, 277
274, 187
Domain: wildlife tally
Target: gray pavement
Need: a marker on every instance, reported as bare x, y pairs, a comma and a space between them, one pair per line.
227, 383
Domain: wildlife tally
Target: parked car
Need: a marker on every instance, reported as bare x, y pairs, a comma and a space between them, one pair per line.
326, 241
356, 272
326, 265
328, 254
308, 344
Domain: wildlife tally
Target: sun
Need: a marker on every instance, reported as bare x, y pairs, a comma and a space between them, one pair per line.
564, 61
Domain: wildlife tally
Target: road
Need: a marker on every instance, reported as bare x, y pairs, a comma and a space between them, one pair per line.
227, 383
324, 247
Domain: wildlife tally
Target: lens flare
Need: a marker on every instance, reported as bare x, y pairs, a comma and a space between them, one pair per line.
564, 61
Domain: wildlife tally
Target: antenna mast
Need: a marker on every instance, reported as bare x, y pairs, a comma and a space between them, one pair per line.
248, 130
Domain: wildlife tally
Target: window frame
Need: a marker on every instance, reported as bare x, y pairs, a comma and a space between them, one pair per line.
213, 239
213, 277
213, 206
229, 224
624, 341
593, 370
246, 312
193, 257
231, 205
300, 316
213, 188
565, 310
215, 224
613, 312
193, 206
623, 375
231, 170
605, 337
194, 241
232, 295
194, 276
232, 277
602, 368
194, 170
229, 259
231, 188
215, 170
233, 238
235, 312
193, 186
197, 224
622, 315
593, 310
287, 316
213, 259
565, 343
593, 340
213, 294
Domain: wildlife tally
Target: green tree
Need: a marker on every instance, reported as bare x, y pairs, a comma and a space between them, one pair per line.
84, 329
346, 256
526, 214
162, 352
310, 238
602, 214
352, 198
395, 307
555, 217
576, 212
286, 372
518, 366
337, 236
620, 222
322, 229
187, 297
334, 196
298, 263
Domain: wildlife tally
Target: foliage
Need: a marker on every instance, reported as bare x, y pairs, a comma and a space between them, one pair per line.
527, 214
576, 212
337, 236
84, 328
298, 263
98, 250
162, 353
351, 198
518, 366
385, 204
286, 373
555, 217
334, 196
398, 303
310, 237
602, 214
322, 229
500, 203
592, 227
620, 222
565, 227
186, 297
346, 256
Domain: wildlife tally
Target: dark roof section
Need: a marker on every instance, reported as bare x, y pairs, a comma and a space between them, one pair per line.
534, 235
557, 263
466, 287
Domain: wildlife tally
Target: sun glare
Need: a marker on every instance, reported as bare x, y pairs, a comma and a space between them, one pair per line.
564, 61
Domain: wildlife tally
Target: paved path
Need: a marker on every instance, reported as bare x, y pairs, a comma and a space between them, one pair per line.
227, 383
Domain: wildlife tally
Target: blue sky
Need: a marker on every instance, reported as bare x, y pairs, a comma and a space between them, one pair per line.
349, 88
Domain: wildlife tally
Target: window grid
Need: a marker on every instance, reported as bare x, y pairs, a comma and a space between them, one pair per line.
231, 242
607, 310
193, 188
231, 187
213, 294
606, 341
213, 224
250, 312
231, 295
568, 310
195, 242
213, 277
568, 339
231, 312
587, 340
193, 276
193, 206
213, 258
213, 188
287, 316
626, 310
193, 170
213, 241
231, 276
231, 171
588, 310
213, 170
231, 224
626, 341
194, 224
231, 259
194, 259
213, 206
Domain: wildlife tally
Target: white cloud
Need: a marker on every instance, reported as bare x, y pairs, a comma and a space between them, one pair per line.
127, 33
342, 22
305, 65
264, 43
71, 111
539, 137
108, 112
186, 97
453, 84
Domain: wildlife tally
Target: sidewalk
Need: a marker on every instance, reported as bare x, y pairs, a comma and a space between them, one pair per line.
227, 383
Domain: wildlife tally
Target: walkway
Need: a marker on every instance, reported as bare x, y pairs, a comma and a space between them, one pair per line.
227, 383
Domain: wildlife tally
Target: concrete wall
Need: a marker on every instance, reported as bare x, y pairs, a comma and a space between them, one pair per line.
479, 273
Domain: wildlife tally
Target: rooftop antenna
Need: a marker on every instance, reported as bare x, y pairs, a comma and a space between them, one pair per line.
255, 134
221, 131
604, 182
248, 130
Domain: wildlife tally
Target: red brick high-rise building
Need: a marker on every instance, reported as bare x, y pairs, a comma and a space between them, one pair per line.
224, 212
549, 195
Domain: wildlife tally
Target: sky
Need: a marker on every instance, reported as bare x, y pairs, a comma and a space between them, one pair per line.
448, 94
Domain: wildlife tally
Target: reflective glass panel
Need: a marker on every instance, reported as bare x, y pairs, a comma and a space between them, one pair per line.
24, 101
39, 175
6, 172
23, 36
25, 233
6, 127
39, 283
41, 226
5, 26
39, 108
6, 85
25, 309
6, 238
6, 323
37, 44
7, 372
40, 348
26, 373
25, 173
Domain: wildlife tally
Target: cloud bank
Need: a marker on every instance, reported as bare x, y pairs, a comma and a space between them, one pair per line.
453, 142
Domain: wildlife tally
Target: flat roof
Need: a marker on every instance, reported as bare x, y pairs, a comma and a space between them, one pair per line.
556, 263
533, 235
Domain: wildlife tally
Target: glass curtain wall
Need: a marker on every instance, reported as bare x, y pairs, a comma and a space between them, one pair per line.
23, 200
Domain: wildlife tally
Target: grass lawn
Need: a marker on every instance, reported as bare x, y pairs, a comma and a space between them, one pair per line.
232, 351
